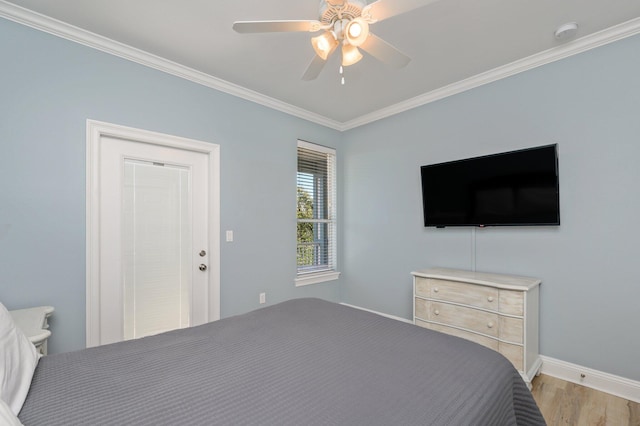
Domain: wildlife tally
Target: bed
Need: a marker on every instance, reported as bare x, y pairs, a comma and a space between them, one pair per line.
300, 362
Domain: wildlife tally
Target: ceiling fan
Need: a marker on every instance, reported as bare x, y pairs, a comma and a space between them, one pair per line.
346, 23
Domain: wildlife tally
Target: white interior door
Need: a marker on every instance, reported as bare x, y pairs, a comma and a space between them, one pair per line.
152, 264
157, 247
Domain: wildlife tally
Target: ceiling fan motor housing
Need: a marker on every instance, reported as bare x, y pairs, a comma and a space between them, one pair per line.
331, 11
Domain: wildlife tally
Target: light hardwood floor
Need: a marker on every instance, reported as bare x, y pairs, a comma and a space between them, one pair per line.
564, 403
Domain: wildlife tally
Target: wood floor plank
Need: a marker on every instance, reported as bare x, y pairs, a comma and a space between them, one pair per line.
548, 394
565, 403
634, 413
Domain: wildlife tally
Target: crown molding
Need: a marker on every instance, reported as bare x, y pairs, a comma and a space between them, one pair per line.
58, 28
61, 29
601, 38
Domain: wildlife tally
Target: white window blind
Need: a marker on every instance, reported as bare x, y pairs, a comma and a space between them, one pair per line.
316, 209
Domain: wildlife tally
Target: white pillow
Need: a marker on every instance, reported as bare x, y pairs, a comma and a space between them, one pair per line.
7, 418
18, 361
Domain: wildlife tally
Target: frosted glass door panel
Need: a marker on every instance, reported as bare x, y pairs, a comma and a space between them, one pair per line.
156, 251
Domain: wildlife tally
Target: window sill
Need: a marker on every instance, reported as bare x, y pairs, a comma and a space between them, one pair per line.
308, 279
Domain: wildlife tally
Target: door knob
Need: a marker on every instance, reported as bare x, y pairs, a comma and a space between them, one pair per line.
203, 267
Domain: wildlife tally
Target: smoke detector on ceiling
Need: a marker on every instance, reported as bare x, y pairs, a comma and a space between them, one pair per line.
566, 31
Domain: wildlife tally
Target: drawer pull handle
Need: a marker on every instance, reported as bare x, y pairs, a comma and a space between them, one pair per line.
435, 290
490, 298
490, 325
437, 312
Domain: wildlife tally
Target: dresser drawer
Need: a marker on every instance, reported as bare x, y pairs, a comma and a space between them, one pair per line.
511, 329
477, 338
511, 302
457, 292
458, 316
513, 353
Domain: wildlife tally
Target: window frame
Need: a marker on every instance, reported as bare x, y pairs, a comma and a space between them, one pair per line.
331, 273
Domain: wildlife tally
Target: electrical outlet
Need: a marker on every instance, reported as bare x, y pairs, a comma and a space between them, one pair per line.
263, 298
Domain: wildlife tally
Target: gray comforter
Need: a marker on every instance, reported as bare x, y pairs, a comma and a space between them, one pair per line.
301, 362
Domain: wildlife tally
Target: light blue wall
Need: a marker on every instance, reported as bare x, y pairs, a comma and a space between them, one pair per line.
589, 105
49, 87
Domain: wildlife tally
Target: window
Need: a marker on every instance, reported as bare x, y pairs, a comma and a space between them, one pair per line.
316, 213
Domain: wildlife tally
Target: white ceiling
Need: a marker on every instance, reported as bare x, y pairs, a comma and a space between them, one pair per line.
450, 42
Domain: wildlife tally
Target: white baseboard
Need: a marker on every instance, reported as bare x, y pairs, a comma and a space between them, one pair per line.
605, 382
379, 313
598, 380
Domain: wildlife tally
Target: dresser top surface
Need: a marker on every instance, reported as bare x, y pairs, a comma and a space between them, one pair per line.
513, 282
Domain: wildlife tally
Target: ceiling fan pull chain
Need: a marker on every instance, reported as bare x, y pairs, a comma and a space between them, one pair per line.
342, 75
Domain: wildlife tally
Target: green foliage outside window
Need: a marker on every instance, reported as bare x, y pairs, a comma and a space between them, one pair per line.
305, 229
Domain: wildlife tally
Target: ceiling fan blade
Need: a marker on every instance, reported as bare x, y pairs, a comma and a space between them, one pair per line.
276, 26
314, 68
383, 51
383, 9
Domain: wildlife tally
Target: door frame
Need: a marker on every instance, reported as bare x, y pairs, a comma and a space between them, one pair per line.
96, 130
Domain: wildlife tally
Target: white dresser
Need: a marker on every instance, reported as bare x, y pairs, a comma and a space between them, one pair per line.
494, 310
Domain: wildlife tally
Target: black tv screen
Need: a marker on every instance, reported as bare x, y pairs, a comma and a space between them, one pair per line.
512, 188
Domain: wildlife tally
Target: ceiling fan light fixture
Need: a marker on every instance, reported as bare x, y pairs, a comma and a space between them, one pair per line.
342, 23
324, 44
356, 31
350, 55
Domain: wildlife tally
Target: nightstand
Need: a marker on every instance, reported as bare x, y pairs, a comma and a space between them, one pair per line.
33, 323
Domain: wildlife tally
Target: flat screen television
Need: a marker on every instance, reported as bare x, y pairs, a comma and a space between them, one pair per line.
517, 188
